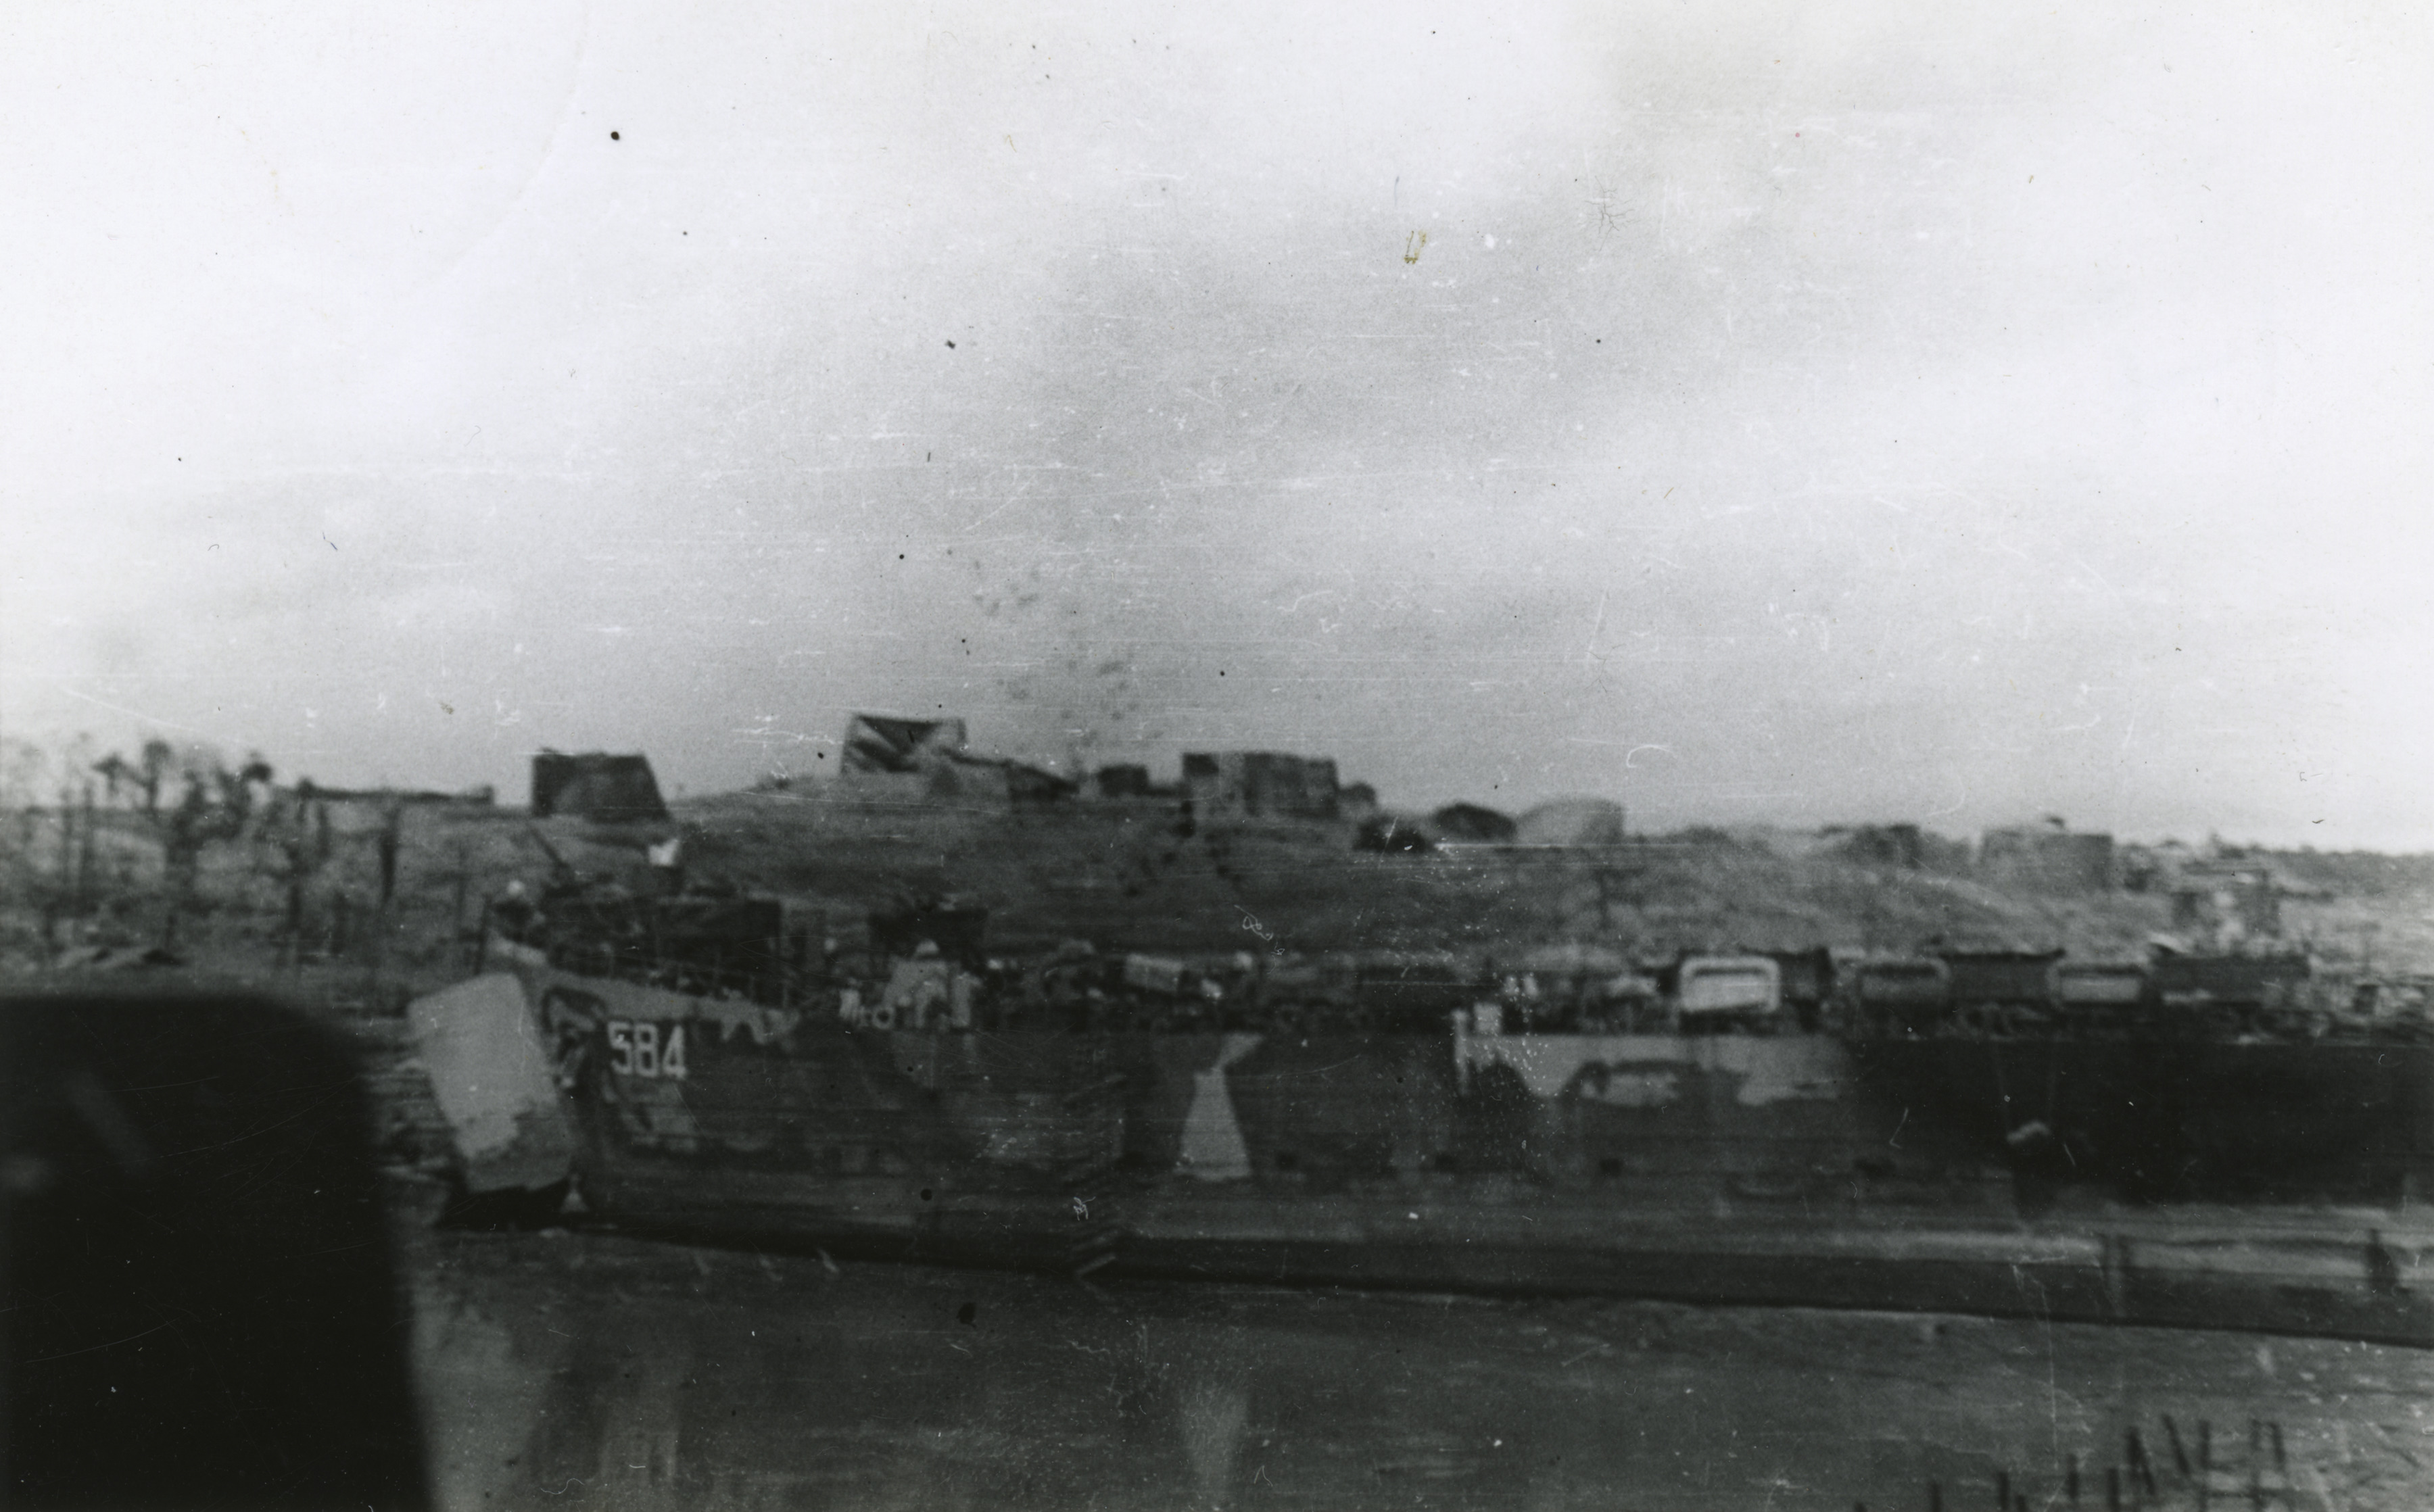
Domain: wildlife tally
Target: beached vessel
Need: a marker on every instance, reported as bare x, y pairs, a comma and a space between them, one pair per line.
944, 1116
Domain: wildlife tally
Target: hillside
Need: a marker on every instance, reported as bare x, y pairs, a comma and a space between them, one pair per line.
1123, 875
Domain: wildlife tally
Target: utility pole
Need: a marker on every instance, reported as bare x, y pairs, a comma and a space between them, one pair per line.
464, 858
391, 833
67, 845
84, 888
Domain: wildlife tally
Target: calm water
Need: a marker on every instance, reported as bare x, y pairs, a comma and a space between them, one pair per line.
595, 1370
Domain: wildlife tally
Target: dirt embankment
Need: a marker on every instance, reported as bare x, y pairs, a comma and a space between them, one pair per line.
1123, 875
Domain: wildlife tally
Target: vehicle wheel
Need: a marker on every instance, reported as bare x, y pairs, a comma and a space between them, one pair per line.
2023, 1021
1980, 1020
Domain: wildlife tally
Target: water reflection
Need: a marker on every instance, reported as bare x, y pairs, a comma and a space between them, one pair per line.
601, 1371
1212, 1416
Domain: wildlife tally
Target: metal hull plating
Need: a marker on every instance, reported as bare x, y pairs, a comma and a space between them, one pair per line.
2165, 1120
1713, 1168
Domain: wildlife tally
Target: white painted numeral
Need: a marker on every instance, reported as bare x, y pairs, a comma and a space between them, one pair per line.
647, 1049
641, 1049
672, 1057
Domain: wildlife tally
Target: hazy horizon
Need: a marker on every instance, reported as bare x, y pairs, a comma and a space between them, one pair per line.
1754, 416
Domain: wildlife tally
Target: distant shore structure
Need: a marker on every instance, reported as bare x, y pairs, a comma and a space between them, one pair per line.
2048, 857
1473, 824
1260, 783
1902, 846
2226, 901
1573, 823
896, 758
1128, 780
596, 785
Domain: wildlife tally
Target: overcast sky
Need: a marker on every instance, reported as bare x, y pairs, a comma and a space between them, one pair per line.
1752, 412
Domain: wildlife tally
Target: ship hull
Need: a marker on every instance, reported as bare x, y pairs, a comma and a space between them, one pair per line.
1722, 1168
2165, 1120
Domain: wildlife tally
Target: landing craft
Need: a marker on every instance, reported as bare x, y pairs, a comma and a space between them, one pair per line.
2217, 1079
1394, 1121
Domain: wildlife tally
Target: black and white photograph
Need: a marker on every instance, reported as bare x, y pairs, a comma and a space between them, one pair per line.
1668, 755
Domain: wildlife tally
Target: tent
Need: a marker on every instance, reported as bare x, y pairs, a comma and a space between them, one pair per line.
1458, 822
1573, 822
